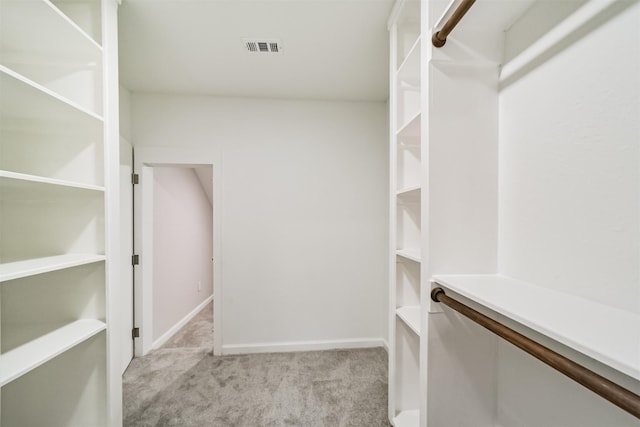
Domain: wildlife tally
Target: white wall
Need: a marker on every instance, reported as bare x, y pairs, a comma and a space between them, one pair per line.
570, 176
125, 112
182, 246
570, 206
304, 213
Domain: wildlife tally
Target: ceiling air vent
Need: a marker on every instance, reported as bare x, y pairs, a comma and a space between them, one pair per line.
262, 45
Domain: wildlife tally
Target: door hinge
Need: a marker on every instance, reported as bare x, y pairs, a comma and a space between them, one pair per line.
135, 178
135, 333
135, 259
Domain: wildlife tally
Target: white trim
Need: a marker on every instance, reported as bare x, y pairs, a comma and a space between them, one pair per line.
175, 328
283, 347
385, 344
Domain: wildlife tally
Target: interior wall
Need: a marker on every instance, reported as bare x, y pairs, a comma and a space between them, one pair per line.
182, 246
125, 112
304, 213
570, 175
570, 205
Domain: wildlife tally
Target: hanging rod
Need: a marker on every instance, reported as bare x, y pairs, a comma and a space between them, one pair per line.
609, 390
439, 38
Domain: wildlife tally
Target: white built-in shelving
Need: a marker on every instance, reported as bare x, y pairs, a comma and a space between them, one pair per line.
498, 169
33, 266
22, 359
411, 316
53, 280
605, 333
514, 187
406, 186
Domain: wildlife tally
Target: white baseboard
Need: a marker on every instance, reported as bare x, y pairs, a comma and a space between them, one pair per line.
175, 328
385, 344
283, 347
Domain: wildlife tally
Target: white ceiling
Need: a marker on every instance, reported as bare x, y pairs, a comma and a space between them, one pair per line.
331, 49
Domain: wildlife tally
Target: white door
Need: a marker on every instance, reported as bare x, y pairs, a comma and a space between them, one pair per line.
126, 251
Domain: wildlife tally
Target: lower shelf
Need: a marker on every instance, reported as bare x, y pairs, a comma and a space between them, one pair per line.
604, 333
412, 254
34, 353
410, 316
407, 419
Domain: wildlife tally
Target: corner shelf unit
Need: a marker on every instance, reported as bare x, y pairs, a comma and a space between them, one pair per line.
54, 154
514, 186
406, 210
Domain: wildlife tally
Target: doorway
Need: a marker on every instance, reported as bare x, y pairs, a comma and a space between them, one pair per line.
182, 247
157, 239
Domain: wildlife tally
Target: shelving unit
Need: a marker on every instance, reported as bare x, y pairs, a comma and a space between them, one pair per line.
516, 171
406, 214
604, 333
56, 149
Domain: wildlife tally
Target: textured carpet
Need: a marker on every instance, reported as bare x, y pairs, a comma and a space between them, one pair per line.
197, 333
188, 387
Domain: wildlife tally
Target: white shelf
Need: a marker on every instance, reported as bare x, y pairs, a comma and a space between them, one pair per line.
410, 253
19, 186
409, 70
29, 356
411, 128
410, 316
411, 193
407, 419
31, 101
62, 38
606, 334
31, 267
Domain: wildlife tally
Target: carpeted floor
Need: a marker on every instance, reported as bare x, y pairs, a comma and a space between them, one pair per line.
183, 384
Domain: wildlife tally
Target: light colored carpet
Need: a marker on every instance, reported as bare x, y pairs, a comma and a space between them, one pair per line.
189, 387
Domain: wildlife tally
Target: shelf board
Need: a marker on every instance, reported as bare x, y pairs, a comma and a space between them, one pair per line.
412, 193
407, 419
411, 316
411, 128
58, 35
29, 356
604, 333
24, 99
412, 254
19, 186
409, 70
31, 267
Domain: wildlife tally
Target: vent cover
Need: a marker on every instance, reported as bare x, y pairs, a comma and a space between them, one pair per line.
262, 45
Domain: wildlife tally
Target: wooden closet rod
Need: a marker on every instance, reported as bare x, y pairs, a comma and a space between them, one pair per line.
609, 390
439, 38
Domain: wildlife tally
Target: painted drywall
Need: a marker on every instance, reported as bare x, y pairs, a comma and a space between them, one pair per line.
304, 217
205, 176
125, 112
569, 175
182, 246
569, 205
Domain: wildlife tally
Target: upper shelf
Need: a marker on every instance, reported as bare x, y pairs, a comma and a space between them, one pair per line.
606, 334
411, 128
18, 186
48, 32
410, 316
31, 267
25, 100
412, 254
409, 70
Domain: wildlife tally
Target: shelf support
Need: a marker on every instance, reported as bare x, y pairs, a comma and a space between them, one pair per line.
619, 396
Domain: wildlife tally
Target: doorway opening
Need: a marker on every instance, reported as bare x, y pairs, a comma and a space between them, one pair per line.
175, 280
